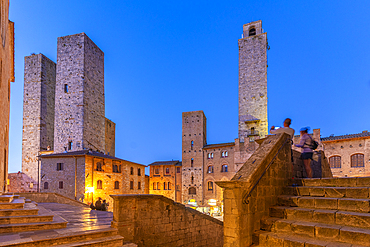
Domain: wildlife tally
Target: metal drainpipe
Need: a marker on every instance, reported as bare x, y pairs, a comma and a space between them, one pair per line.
75, 177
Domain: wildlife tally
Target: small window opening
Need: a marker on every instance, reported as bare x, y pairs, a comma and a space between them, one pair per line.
66, 88
252, 31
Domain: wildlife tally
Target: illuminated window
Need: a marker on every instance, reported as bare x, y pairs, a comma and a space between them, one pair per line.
335, 162
224, 168
210, 169
357, 160
116, 185
210, 185
99, 185
192, 191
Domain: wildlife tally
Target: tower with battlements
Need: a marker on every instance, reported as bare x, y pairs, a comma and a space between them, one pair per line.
253, 83
79, 95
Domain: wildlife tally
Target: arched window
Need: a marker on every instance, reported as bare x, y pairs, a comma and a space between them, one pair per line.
210, 169
164, 185
132, 171
335, 162
138, 171
192, 191
224, 168
116, 185
46, 186
192, 145
192, 162
357, 160
99, 166
252, 31
226, 154
99, 185
210, 156
154, 186
210, 185
192, 179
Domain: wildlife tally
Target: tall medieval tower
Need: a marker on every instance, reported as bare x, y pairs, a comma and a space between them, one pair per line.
38, 111
79, 95
194, 138
253, 82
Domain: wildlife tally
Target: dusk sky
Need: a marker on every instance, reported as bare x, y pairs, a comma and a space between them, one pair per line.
163, 58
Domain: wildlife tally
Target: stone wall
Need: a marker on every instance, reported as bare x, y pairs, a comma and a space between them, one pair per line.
51, 198
110, 137
20, 182
38, 111
79, 104
6, 77
252, 82
153, 220
194, 126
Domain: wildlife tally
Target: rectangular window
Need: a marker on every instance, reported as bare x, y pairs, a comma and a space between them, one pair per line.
154, 186
178, 169
131, 185
60, 184
139, 185
156, 171
70, 145
169, 186
167, 171
59, 166
138, 171
66, 88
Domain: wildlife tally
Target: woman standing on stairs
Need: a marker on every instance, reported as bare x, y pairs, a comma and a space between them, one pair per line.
306, 143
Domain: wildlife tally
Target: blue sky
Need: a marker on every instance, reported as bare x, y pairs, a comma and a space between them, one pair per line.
166, 57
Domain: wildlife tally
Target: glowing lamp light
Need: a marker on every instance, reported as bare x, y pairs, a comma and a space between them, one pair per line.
89, 189
212, 202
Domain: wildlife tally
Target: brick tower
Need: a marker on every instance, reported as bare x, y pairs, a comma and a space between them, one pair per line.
38, 111
253, 82
194, 138
79, 94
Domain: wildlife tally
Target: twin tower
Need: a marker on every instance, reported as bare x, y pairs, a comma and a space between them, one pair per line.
64, 105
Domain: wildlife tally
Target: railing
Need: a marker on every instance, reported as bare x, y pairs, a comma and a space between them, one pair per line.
245, 200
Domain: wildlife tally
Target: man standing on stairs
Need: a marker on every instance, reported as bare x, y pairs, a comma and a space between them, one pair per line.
285, 129
305, 143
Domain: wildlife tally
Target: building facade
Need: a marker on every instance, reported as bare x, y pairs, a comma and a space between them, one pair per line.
87, 175
38, 111
348, 155
165, 179
6, 77
64, 103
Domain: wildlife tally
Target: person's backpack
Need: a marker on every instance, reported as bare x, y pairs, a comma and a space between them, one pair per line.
314, 144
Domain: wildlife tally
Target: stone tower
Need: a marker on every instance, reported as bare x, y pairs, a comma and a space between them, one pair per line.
194, 138
79, 94
253, 82
38, 111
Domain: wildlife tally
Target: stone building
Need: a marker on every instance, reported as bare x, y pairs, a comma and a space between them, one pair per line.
165, 179
6, 77
348, 155
86, 175
20, 182
38, 111
64, 105
204, 163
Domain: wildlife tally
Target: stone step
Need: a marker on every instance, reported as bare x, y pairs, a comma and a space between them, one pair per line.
344, 204
282, 239
334, 182
339, 192
6, 198
65, 238
112, 241
351, 235
18, 212
25, 219
57, 223
353, 219
11, 205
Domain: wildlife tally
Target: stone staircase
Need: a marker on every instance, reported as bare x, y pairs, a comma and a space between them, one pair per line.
24, 223
319, 212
